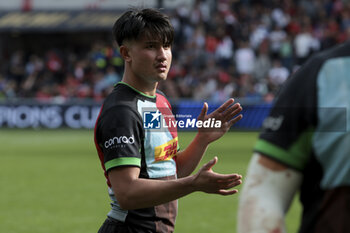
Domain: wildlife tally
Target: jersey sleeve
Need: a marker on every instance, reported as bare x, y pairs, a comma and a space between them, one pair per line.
120, 136
287, 131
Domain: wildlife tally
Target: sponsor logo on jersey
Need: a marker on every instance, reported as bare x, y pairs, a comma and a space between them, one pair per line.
166, 151
273, 123
121, 140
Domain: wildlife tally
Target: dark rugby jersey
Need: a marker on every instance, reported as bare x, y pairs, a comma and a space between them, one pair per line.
123, 138
309, 130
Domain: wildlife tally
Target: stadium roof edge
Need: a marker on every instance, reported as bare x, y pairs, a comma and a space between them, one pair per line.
57, 20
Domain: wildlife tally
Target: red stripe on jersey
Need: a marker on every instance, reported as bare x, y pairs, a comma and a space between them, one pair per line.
99, 150
165, 108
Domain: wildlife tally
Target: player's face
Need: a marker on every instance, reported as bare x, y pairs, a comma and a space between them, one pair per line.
150, 60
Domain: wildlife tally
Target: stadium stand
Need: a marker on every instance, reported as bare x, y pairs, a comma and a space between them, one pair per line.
242, 49
221, 50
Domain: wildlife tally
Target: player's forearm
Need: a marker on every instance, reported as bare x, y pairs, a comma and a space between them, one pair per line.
133, 192
143, 193
266, 195
188, 160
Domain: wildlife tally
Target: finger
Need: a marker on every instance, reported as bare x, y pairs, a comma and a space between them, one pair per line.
228, 177
233, 184
203, 111
235, 120
225, 192
230, 184
232, 111
225, 105
211, 163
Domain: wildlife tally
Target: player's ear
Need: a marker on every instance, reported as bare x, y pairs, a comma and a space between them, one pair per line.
124, 52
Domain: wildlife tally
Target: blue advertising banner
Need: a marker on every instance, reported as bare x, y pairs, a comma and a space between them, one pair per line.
48, 116
253, 114
83, 116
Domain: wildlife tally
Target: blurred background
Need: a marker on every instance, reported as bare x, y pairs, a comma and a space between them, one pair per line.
59, 54
58, 62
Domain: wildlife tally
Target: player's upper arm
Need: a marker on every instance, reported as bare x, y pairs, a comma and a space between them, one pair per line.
266, 195
121, 178
120, 136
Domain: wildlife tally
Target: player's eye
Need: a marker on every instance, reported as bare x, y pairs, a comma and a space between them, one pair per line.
150, 46
167, 46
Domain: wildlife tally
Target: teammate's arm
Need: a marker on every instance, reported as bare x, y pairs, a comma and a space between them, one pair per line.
133, 192
189, 159
265, 198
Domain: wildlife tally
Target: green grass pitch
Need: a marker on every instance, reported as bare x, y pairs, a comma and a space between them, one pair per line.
52, 181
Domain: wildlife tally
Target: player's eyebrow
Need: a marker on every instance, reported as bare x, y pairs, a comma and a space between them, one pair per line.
152, 42
155, 42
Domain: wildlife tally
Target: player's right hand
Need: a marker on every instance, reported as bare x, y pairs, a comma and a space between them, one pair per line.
206, 180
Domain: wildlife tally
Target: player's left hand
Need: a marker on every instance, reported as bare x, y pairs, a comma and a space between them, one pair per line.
225, 114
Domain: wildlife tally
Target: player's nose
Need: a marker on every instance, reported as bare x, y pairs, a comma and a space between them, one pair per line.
162, 53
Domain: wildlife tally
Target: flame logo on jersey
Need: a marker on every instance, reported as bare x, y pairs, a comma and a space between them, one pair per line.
166, 151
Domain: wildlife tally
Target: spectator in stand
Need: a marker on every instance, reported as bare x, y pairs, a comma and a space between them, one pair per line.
17, 67
279, 17
286, 53
277, 76
276, 37
224, 49
259, 32
244, 58
305, 44
262, 62
105, 82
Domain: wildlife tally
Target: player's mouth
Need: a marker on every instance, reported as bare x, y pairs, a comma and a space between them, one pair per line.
161, 67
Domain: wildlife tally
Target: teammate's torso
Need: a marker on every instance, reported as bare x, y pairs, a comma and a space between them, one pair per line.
313, 133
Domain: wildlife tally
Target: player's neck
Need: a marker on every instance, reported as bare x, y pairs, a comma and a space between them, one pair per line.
141, 86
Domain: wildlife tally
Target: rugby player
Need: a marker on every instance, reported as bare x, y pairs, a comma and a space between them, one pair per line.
145, 171
304, 146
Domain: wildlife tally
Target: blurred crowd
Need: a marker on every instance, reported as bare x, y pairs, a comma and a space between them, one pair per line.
222, 49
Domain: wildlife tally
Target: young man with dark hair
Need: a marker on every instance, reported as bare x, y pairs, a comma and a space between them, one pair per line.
145, 171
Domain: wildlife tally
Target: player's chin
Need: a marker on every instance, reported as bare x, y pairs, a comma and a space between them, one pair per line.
162, 76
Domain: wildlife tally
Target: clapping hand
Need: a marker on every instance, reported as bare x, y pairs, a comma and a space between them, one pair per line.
225, 114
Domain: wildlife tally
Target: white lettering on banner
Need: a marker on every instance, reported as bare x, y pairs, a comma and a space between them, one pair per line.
5, 114
27, 116
51, 117
24, 117
81, 116
30, 116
